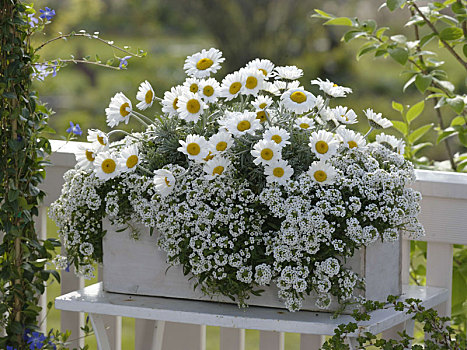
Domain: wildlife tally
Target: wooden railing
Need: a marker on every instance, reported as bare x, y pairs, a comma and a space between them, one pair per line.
444, 206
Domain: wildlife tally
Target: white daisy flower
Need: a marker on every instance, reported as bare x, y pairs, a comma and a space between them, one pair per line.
304, 123
99, 138
262, 102
266, 152
331, 89
279, 171
209, 90
119, 110
271, 88
319, 103
323, 144
350, 138
239, 124
169, 103
86, 156
252, 81
195, 147
164, 182
278, 135
216, 167
145, 95
129, 158
288, 72
391, 141
376, 120
202, 64
220, 142
322, 173
344, 116
286, 85
298, 100
106, 165
232, 85
190, 106
192, 84
264, 66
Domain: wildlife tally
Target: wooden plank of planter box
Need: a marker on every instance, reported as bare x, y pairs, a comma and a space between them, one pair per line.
138, 267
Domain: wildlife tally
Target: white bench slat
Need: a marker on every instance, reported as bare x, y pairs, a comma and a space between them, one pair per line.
271, 340
232, 339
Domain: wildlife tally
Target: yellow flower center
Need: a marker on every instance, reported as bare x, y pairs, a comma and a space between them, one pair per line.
352, 144
304, 125
321, 147
243, 125
193, 106
251, 83
235, 87
263, 71
204, 63
90, 156
101, 140
194, 87
167, 182
263, 105
131, 161
193, 149
208, 91
108, 166
218, 170
335, 85
320, 176
123, 110
221, 146
148, 97
209, 156
278, 172
261, 115
276, 138
174, 104
298, 97
267, 154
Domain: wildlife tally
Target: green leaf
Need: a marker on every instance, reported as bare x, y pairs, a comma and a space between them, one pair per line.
366, 49
400, 126
397, 107
458, 121
323, 14
463, 137
415, 111
408, 83
381, 31
420, 146
451, 33
394, 4
426, 39
422, 81
417, 134
464, 49
339, 21
456, 104
399, 54
461, 166
458, 8
352, 34
401, 39
445, 134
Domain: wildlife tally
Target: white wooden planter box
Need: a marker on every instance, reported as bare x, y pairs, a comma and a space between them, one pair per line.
138, 267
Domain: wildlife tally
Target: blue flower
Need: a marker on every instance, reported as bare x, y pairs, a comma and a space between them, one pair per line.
47, 13
9, 347
74, 129
36, 340
32, 20
124, 62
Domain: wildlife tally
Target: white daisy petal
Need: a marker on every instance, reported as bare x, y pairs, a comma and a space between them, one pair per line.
266, 152
129, 158
239, 124
344, 116
376, 120
304, 123
145, 95
323, 144
298, 100
192, 84
216, 167
209, 90
350, 138
164, 182
278, 171
190, 106
98, 138
278, 135
391, 142
266, 67
262, 102
322, 173
86, 156
232, 85
331, 89
252, 81
106, 165
288, 72
203, 63
220, 142
119, 110
195, 147
169, 103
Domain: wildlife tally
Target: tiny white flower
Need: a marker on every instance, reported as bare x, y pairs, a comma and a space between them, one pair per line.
376, 120
278, 171
86, 156
344, 116
169, 103
209, 90
145, 95
288, 72
252, 81
298, 100
331, 89
190, 106
119, 110
262, 102
322, 173
220, 142
216, 167
203, 63
106, 165
350, 138
264, 66
99, 138
323, 144
304, 123
164, 182
391, 141
129, 158
266, 152
195, 147
232, 85
278, 135
192, 84
239, 124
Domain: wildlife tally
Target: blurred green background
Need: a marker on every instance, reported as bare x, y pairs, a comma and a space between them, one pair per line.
169, 30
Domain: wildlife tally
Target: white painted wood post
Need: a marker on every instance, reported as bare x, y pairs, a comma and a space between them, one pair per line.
183, 336
271, 340
72, 321
41, 231
144, 333
232, 339
311, 341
